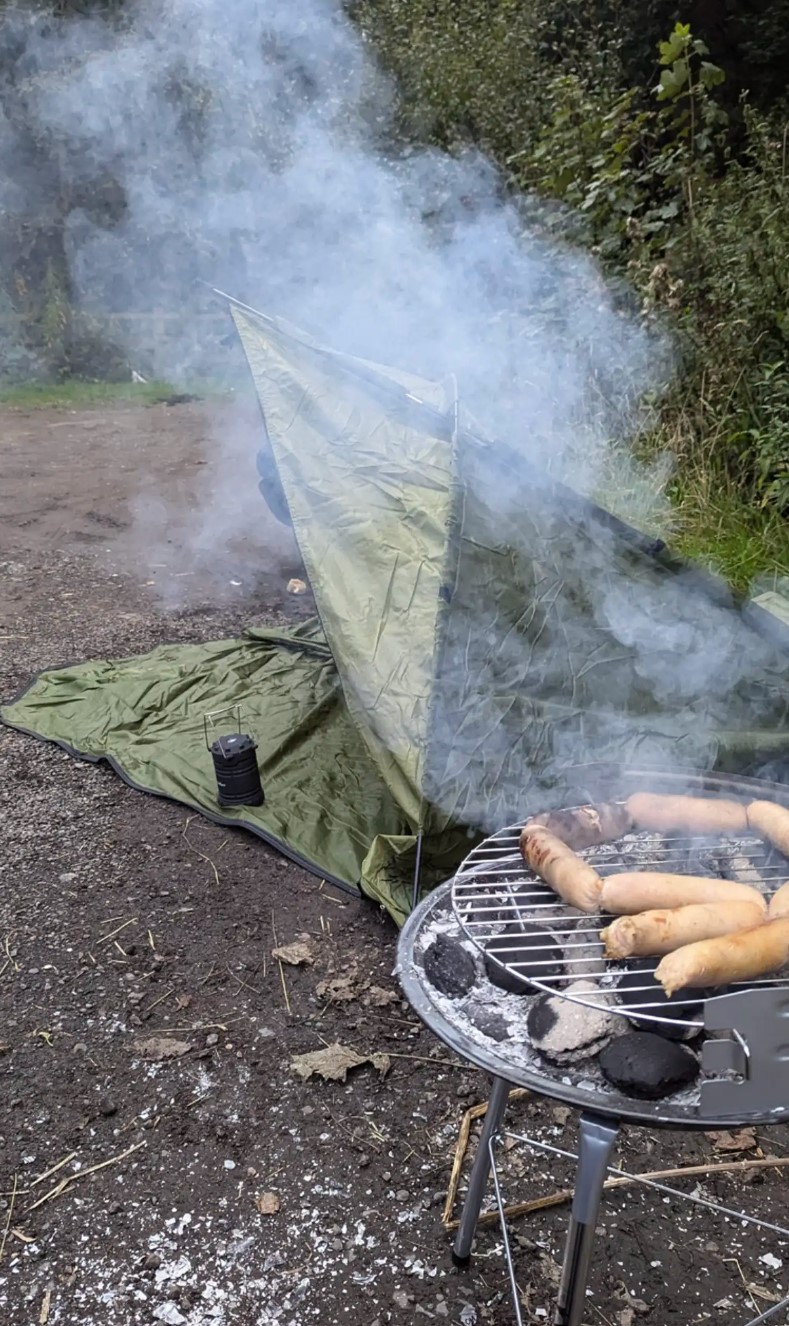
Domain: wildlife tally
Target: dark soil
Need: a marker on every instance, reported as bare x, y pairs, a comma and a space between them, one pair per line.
123, 920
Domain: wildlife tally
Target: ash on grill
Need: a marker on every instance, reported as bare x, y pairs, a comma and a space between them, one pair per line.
540, 979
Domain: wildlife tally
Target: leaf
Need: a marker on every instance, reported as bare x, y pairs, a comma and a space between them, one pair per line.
158, 1048
334, 1063
297, 954
268, 1203
744, 1139
377, 997
341, 989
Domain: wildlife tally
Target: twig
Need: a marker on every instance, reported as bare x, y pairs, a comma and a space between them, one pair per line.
197, 851
687, 1171
746, 1286
438, 1063
44, 1314
284, 985
83, 1174
475, 1112
281, 968
132, 921
158, 1001
8, 1218
233, 976
53, 1169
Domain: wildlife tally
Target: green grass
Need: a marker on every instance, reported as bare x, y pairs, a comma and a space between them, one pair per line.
711, 519
742, 542
75, 393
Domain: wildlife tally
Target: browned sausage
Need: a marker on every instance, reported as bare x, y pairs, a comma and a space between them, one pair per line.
729, 958
575, 881
586, 826
779, 903
770, 821
659, 932
693, 815
641, 890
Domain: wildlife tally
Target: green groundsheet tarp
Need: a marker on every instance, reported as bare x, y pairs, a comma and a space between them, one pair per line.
481, 631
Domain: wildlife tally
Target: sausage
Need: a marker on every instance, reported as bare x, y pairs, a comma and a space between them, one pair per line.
729, 958
659, 932
576, 882
779, 903
678, 814
770, 821
641, 890
586, 826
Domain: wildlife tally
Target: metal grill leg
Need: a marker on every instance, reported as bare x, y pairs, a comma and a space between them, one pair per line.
597, 1137
480, 1170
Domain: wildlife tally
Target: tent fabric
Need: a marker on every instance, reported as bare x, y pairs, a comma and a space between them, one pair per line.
481, 631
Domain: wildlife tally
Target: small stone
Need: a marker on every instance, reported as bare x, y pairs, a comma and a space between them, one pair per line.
488, 1022
212, 1039
566, 1031
449, 967
402, 1195
647, 1066
364, 1162
152, 1262
80, 1048
107, 1107
401, 1299
115, 1208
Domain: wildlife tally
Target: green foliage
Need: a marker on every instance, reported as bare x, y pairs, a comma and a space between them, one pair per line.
76, 393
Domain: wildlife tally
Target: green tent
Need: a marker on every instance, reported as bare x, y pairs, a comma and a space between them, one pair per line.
481, 631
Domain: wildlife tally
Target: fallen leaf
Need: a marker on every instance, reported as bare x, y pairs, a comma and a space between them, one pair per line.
338, 989
765, 1295
158, 1048
268, 1203
377, 997
297, 954
637, 1304
334, 1063
744, 1139
183, 1001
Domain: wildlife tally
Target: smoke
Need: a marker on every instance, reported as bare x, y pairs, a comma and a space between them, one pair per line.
251, 145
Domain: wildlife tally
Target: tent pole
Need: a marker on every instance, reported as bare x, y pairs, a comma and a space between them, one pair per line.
417, 871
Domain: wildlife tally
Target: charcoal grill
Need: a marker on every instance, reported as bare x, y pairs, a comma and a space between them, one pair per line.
744, 1076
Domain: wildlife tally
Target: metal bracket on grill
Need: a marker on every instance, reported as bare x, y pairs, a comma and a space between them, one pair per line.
755, 1053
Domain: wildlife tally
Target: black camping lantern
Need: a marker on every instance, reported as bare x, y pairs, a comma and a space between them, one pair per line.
235, 762
236, 769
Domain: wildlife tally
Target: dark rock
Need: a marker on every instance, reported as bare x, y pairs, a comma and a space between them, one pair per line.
526, 945
637, 987
647, 1066
449, 967
488, 1022
107, 1107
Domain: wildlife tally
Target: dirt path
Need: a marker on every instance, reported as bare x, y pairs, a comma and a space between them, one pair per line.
121, 921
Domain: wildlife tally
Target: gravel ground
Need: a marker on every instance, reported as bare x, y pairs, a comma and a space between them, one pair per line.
145, 1026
